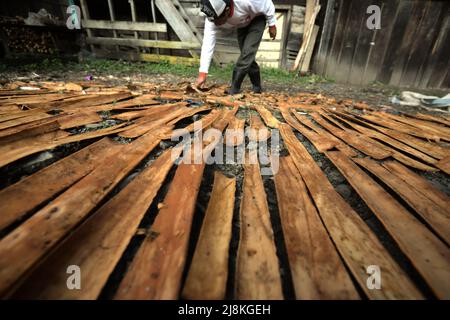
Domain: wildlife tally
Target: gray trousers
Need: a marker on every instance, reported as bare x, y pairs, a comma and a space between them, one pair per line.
249, 39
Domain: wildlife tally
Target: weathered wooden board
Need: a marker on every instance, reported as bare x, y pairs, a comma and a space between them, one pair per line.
419, 183
164, 254
267, 116
124, 25
338, 143
317, 270
234, 135
437, 217
258, 131
429, 148
104, 238
29, 242
321, 143
356, 140
444, 164
51, 180
428, 254
357, 245
208, 273
257, 269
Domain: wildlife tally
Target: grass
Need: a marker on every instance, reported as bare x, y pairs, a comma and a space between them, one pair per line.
120, 67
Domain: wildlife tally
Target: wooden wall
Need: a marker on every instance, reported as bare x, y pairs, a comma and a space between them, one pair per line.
412, 48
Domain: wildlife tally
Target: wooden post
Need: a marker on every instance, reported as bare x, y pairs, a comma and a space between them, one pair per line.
154, 21
112, 17
133, 18
85, 12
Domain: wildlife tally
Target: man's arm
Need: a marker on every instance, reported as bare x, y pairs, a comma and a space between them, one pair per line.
267, 8
209, 42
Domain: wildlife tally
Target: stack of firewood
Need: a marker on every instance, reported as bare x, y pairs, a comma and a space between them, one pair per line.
28, 40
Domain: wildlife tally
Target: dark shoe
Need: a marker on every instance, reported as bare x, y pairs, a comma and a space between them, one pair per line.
236, 81
255, 78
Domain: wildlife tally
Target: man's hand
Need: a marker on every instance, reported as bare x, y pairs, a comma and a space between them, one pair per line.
273, 32
201, 79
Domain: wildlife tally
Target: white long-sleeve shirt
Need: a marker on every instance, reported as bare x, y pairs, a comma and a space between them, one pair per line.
243, 13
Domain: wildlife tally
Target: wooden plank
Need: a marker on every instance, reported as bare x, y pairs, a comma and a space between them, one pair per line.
178, 23
305, 67
49, 181
320, 142
437, 217
202, 124
223, 122
432, 128
257, 269
234, 135
78, 119
21, 249
352, 29
356, 140
307, 39
112, 17
133, 18
401, 20
267, 116
208, 273
437, 119
427, 253
89, 101
124, 25
258, 131
27, 130
429, 148
153, 112
316, 268
419, 183
146, 125
401, 127
444, 164
20, 148
156, 270
356, 243
338, 143
86, 15
105, 236
148, 57
104, 41
24, 120
395, 143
